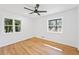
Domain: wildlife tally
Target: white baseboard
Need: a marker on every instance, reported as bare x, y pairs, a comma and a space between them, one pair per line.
42, 37
38, 36
6, 44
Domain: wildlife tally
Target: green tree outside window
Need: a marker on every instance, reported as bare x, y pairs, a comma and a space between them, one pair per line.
8, 25
17, 25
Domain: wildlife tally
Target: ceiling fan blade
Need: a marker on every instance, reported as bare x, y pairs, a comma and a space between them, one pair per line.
38, 13
42, 11
31, 13
28, 9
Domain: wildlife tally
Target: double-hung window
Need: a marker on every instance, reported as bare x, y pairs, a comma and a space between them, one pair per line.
11, 25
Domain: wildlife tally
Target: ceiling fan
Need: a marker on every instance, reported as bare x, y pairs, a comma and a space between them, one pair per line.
35, 10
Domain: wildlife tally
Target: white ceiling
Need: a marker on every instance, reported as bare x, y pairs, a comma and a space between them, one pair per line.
51, 8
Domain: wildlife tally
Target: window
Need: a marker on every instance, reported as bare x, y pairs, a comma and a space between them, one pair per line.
55, 25
11, 25
8, 25
17, 25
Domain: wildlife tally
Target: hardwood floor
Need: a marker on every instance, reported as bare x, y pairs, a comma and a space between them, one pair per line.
37, 46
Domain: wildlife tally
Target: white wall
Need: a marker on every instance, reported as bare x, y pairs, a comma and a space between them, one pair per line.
38, 26
9, 38
69, 35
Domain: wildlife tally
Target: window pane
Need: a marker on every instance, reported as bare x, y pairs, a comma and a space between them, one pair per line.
17, 22
17, 28
8, 21
17, 25
8, 29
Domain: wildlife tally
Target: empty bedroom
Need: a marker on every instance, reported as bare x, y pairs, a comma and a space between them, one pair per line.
39, 29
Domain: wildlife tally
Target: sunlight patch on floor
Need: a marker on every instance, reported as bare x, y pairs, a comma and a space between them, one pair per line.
53, 47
